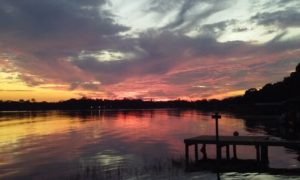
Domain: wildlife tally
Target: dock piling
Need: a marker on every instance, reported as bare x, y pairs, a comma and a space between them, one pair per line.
227, 152
258, 158
196, 153
203, 150
216, 116
264, 154
187, 156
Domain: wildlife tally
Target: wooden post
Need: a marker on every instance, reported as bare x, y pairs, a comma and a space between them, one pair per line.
187, 156
235, 133
227, 152
203, 150
216, 116
264, 154
257, 153
267, 154
196, 152
234, 151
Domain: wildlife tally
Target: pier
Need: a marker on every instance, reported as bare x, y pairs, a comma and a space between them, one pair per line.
261, 145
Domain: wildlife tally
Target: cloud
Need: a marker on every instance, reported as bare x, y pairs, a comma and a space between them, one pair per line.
39, 36
15, 90
160, 52
215, 29
83, 45
240, 29
179, 62
278, 44
282, 19
192, 12
33, 19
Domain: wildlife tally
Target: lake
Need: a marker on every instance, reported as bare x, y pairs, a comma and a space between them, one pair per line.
120, 144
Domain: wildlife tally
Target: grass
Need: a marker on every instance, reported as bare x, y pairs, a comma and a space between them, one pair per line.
161, 169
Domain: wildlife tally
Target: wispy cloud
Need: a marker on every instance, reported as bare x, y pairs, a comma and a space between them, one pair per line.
15, 90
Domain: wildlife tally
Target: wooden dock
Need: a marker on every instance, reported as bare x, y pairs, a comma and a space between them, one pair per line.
260, 143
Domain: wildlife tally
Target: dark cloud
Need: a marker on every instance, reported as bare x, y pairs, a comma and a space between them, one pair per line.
162, 6
92, 86
57, 28
240, 29
282, 19
106, 72
180, 19
214, 30
31, 80
281, 4
42, 19
184, 22
277, 44
40, 36
167, 44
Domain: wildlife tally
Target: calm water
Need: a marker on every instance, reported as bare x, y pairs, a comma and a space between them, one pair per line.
61, 144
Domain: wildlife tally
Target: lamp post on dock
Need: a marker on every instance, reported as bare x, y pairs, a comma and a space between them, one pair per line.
217, 116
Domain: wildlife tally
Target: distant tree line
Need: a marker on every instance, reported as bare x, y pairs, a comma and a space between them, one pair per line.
285, 93
100, 104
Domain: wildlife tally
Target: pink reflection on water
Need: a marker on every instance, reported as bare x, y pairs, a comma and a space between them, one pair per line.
55, 142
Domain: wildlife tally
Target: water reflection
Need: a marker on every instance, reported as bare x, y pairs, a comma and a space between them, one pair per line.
52, 143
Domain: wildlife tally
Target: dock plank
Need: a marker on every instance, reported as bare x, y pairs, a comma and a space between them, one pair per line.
241, 140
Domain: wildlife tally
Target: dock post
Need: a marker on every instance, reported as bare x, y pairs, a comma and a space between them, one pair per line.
203, 150
196, 153
234, 151
267, 154
216, 116
258, 158
227, 152
235, 133
264, 154
187, 156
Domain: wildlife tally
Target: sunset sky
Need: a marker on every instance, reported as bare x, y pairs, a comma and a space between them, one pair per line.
160, 49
